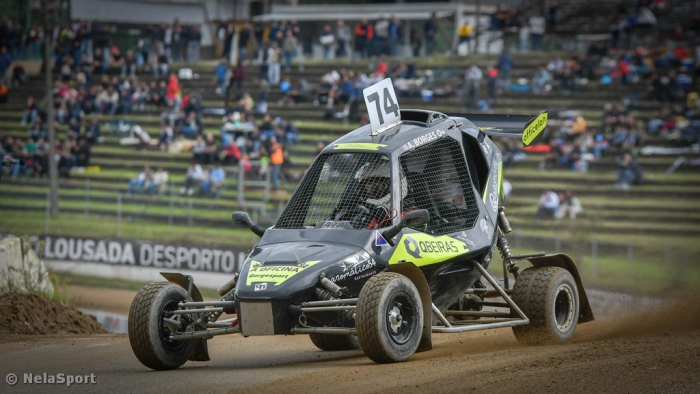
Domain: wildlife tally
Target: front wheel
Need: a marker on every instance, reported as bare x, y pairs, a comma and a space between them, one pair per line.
148, 335
389, 318
549, 298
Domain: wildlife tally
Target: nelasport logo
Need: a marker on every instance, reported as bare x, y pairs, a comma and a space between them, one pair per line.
45, 378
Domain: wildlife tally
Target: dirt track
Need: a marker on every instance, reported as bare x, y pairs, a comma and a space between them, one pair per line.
650, 353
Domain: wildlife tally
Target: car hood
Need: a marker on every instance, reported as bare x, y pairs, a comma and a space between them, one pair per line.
281, 270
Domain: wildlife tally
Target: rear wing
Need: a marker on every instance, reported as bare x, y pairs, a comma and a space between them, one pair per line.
528, 128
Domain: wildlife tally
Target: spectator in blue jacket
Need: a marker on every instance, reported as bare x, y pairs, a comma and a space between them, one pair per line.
221, 71
505, 66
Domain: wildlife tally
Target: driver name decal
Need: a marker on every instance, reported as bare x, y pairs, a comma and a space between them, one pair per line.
424, 139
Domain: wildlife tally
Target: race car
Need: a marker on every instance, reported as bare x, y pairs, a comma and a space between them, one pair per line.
386, 241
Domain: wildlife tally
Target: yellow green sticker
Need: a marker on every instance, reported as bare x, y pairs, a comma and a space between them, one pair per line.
423, 249
359, 145
500, 179
277, 274
534, 129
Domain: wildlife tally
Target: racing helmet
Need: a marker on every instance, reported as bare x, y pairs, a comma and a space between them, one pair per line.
375, 177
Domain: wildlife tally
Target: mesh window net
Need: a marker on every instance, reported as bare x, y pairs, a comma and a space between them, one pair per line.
438, 181
342, 190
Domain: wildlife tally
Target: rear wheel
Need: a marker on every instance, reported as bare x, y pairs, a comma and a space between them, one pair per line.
389, 318
148, 335
549, 298
335, 342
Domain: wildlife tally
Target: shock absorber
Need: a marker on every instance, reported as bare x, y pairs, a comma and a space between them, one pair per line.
506, 254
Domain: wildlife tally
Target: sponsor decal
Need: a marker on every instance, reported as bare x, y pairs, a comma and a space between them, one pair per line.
493, 196
379, 240
462, 236
485, 226
486, 148
489, 128
534, 129
139, 254
424, 249
355, 269
277, 274
260, 286
359, 145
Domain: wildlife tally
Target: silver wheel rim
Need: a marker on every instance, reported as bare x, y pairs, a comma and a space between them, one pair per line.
564, 308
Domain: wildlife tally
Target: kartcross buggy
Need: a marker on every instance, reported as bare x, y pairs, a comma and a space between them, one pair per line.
386, 240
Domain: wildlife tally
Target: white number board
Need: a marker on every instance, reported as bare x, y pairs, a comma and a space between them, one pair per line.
382, 106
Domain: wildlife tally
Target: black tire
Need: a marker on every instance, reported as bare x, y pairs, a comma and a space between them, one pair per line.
147, 332
549, 298
389, 318
335, 342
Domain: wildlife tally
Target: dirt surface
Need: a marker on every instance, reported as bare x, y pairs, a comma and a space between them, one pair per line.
652, 352
32, 314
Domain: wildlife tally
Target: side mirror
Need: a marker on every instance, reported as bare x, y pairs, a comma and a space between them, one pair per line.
410, 219
242, 219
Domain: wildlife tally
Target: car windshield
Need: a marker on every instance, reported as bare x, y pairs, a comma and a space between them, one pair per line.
344, 191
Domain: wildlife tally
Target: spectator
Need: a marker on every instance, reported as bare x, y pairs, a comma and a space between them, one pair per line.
380, 43
232, 153
505, 65
165, 137
364, 32
92, 132
273, 74
221, 71
276, 159
570, 206
289, 47
289, 132
430, 32
191, 127
473, 79
548, 206
193, 178
136, 184
108, 101
129, 64
415, 43
553, 158
628, 172
243, 39
395, 36
198, 150
524, 36
327, 41
19, 75
343, 37
541, 81
30, 111
159, 183
5, 62
213, 181
465, 33
553, 14
537, 25
236, 82
193, 42
210, 155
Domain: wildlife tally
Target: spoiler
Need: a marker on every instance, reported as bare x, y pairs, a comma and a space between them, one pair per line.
526, 127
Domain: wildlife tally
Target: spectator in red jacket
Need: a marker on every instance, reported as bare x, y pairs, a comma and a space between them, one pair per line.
364, 32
